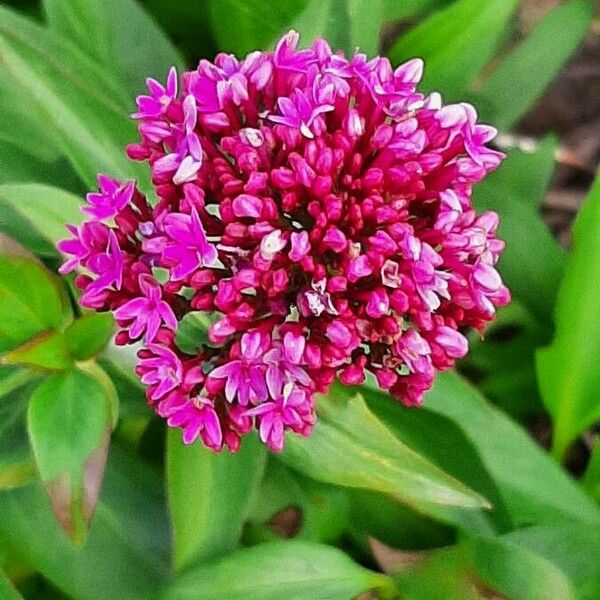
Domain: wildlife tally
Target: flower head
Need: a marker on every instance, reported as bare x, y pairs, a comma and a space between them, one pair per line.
319, 208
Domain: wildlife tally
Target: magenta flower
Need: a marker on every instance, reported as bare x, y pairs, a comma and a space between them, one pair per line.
196, 417
294, 412
284, 371
299, 112
87, 239
188, 248
319, 208
162, 371
108, 268
245, 376
148, 312
114, 196
161, 97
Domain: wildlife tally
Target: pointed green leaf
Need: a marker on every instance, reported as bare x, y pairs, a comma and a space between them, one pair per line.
442, 442
292, 570
456, 43
45, 208
511, 90
119, 34
92, 368
351, 447
534, 489
567, 370
30, 301
69, 427
210, 496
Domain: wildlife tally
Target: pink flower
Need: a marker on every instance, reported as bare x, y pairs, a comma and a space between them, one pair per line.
319, 207
245, 376
295, 412
299, 111
114, 196
147, 312
108, 267
284, 371
160, 98
87, 238
183, 164
415, 352
162, 371
188, 248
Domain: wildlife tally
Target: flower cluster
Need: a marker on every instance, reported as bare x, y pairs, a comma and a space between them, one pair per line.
319, 208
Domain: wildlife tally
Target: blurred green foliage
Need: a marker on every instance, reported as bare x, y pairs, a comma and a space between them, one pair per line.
464, 497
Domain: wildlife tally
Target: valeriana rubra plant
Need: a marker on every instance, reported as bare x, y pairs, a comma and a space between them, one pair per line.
319, 207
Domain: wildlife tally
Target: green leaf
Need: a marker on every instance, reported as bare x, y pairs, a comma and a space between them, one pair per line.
567, 370
394, 10
443, 575
511, 90
7, 590
293, 570
45, 208
591, 479
351, 447
456, 43
48, 350
533, 262
94, 370
30, 301
88, 335
81, 107
534, 489
376, 515
222, 486
69, 427
318, 511
192, 331
345, 24
502, 363
16, 462
241, 28
451, 451
119, 34
365, 18
182, 20
18, 125
571, 547
126, 554
518, 573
